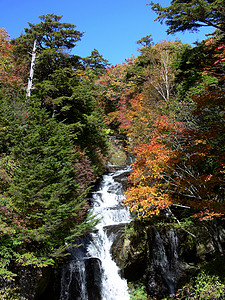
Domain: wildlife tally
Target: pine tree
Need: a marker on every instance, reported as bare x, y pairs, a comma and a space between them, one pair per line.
43, 208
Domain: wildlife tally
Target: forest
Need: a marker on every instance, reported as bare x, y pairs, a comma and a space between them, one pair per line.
167, 107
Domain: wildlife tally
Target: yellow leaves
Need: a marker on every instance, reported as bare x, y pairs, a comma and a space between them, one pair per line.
151, 161
30, 259
154, 159
146, 201
197, 142
114, 80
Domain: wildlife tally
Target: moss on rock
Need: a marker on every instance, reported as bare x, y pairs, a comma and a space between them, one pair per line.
116, 152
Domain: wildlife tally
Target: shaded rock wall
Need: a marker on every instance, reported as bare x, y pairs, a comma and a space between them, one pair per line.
164, 258
33, 283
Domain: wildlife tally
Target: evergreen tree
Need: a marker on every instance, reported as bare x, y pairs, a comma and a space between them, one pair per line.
54, 41
65, 83
96, 62
42, 205
191, 15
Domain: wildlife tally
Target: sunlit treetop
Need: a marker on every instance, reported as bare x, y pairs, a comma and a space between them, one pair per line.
50, 32
191, 14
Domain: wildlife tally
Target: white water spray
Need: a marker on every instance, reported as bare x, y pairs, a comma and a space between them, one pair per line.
91, 273
107, 204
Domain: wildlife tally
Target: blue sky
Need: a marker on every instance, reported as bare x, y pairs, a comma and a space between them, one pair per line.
110, 26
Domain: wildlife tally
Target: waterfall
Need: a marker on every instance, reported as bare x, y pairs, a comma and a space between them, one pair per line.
108, 205
164, 271
100, 279
166, 263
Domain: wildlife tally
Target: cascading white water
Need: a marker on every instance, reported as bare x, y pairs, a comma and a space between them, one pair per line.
91, 273
107, 204
75, 271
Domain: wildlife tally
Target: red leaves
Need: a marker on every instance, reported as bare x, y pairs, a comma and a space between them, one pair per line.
178, 164
84, 170
222, 58
174, 161
220, 47
12, 72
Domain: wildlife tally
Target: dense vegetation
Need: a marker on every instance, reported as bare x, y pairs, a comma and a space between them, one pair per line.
52, 144
167, 103
173, 115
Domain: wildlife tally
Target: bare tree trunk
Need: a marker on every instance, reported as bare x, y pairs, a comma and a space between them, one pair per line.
30, 79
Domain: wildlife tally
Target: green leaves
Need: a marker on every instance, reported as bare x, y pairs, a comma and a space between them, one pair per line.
54, 40
205, 286
96, 62
51, 33
191, 15
42, 203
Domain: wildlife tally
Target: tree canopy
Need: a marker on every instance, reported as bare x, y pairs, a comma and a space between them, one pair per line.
172, 112
191, 15
52, 147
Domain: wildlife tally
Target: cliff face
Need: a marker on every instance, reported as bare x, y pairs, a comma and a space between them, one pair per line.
165, 257
33, 284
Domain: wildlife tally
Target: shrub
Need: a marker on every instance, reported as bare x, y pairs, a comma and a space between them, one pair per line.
205, 287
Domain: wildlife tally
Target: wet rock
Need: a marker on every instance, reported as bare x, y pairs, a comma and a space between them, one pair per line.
81, 279
73, 280
93, 278
131, 255
165, 258
164, 269
115, 189
34, 283
123, 178
117, 231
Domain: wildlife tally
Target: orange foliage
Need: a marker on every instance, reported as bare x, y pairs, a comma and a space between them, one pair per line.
11, 73
146, 201
136, 119
148, 194
175, 162
180, 165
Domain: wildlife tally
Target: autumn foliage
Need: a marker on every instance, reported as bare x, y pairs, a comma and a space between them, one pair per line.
178, 145
153, 167
12, 69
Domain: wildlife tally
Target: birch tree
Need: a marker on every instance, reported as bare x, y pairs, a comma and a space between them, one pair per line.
32, 66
